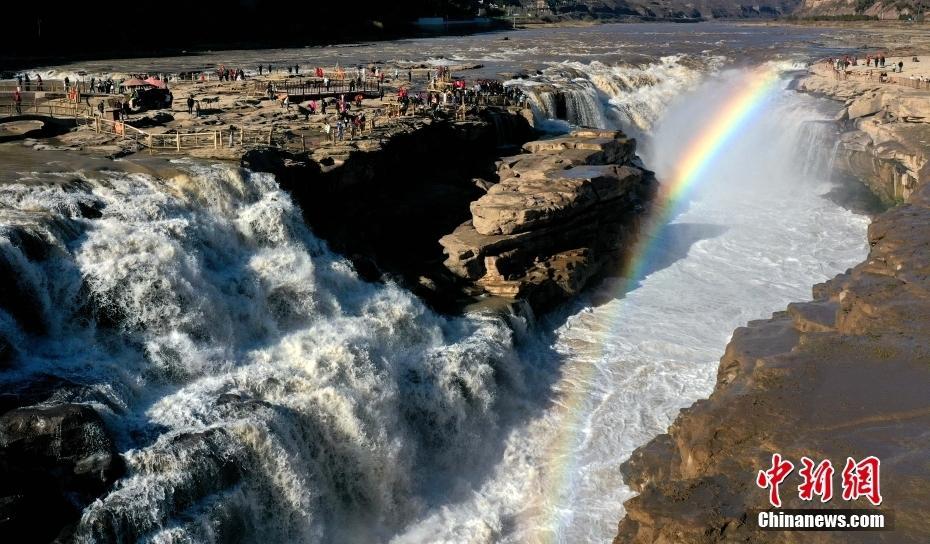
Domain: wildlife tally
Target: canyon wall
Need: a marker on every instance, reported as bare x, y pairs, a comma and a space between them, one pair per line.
844, 375
560, 216
435, 207
885, 127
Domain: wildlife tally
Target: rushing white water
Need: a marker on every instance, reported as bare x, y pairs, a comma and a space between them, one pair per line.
264, 393
755, 236
595, 94
263, 390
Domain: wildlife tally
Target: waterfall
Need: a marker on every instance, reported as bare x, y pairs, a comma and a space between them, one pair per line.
258, 389
752, 236
613, 96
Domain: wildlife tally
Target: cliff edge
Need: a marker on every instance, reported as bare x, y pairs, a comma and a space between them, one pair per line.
844, 375
561, 215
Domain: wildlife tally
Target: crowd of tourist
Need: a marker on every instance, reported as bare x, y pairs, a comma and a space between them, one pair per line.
344, 101
879, 68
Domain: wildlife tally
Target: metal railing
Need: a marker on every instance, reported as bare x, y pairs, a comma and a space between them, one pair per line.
880, 75
49, 110
215, 139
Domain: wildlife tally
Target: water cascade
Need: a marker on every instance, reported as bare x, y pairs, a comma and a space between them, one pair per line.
752, 234
257, 387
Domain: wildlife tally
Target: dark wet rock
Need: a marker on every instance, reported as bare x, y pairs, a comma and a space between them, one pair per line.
385, 202
209, 465
155, 120
54, 461
18, 297
7, 352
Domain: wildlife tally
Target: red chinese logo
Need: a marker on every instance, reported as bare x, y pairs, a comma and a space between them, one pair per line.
859, 479
773, 477
817, 481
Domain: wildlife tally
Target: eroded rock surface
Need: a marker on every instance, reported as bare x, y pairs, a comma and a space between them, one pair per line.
886, 130
561, 215
847, 374
54, 461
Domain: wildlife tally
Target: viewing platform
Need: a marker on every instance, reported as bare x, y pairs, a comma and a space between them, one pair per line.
317, 89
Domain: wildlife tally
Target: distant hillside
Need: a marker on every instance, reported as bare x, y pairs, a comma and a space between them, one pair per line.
879, 9
58, 30
671, 9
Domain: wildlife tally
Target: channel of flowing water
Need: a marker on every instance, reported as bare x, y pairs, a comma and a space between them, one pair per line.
263, 392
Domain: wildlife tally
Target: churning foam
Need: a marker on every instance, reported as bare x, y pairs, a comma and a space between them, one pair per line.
596, 94
261, 389
741, 232
258, 387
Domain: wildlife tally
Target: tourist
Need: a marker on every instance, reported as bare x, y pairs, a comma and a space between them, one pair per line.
19, 80
286, 103
190, 105
18, 101
259, 69
323, 106
67, 83
100, 108
340, 128
27, 82
900, 66
38, 82
410, 75
197, 108
296, 69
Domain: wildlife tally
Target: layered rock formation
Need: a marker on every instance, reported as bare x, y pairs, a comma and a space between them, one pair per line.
385, 202
845, 375
560, 216
886, 127
879, 9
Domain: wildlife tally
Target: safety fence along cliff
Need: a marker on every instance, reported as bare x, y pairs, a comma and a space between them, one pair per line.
230, 138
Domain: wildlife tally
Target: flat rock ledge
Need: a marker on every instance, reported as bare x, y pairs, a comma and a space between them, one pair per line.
847, 374
885, 130
561, 216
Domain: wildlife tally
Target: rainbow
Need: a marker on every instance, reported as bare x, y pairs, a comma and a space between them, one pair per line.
737, 110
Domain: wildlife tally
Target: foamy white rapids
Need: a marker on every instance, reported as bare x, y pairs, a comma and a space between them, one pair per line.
755, 236
601, 95
262, 391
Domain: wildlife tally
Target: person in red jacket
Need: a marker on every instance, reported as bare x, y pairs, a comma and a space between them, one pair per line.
18, 101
